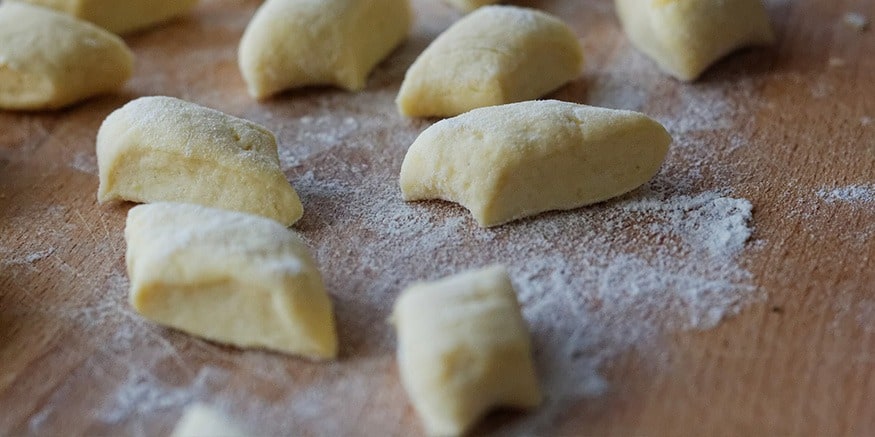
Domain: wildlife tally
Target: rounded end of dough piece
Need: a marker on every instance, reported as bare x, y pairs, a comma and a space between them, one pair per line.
293, 210
50, 60
20, 91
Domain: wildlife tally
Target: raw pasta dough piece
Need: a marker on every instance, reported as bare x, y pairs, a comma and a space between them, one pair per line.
227, 276
49, 60
512, 161
495, 55
295, 43
121, 16
470, 5
464, 348
686, 36
202, 421
166, 149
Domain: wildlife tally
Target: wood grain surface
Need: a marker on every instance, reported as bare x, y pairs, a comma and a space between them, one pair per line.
774, 126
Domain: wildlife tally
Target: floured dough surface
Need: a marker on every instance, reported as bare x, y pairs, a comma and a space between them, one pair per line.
685, 37
120, 16
200, 420
50, 60
463, 349
512, 161
165, 149
230, 277
296, 43
495, 55
470, 5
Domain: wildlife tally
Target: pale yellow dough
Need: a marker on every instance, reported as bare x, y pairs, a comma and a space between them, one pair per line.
685, 37
165, 149
495, 55
296, 43
50, 60
120, 16
200, 420
512, 161
463, 349
470, 5
230, 277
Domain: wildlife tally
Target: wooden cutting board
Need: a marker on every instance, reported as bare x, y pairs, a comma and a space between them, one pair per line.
639, 326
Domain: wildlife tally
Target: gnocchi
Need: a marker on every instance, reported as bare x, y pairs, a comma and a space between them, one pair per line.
495, 55
166, 149
229, 277
685, 37
50, 60
296, 43
120, 16
512, 161
464, 348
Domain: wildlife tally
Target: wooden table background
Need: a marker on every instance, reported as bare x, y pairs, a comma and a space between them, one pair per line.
770, 125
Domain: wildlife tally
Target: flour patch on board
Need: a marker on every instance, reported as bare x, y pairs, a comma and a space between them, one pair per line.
593, 282
851, 194
84, 162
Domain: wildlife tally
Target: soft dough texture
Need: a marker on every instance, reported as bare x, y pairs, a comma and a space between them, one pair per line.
470, 5
495, 55
464, 348
49, 60
229, 277
202, 421
295, 43
512, 161
120, 16
166, 149
686, 36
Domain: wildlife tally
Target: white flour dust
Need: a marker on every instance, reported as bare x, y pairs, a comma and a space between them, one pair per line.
27, 259
85, 162
593, 283
855, 194
857, 21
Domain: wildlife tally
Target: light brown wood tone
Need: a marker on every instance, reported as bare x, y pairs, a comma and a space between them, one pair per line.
75, 360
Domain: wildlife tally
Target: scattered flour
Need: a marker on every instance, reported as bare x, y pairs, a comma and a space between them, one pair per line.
857, 21
594, 283
822, 89
857, 194
866, 315
835, 62
85, 162
30, 258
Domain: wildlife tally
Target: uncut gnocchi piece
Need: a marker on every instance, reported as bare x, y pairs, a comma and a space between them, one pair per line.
49, 60
470, 5
165, 149
463, 349
495, 55
685, 37
296, 43
230, 277
513, 161
120, 16
202, 421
